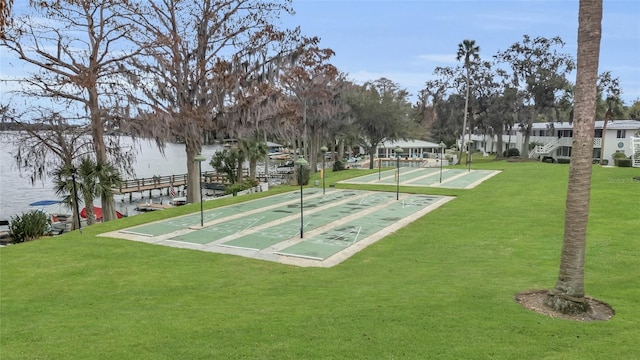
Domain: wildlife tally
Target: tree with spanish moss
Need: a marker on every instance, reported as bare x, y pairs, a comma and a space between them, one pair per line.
196, 72
79, 56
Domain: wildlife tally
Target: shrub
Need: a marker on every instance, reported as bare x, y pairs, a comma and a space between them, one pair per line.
619, 155
564, 161
513, 152
29, 226
623, 162
241, 186
338, 166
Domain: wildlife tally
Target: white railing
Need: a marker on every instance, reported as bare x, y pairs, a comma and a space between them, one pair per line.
635, 151
544, 149
597, 142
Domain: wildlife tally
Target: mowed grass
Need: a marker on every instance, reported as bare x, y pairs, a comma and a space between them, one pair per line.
441, 287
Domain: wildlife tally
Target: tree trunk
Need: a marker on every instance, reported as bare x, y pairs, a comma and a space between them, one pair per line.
372, 152
193, 175
604, 131
524, 151
97, 133
568, 294
499, 146
464, 122
253, 164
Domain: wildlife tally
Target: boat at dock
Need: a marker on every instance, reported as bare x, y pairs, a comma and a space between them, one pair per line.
151, 207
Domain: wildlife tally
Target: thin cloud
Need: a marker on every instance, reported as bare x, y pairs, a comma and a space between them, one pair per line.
439, 58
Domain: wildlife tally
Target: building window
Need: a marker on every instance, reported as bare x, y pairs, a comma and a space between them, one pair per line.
565, 133
564, 151
621, 134
598, 133
597, 152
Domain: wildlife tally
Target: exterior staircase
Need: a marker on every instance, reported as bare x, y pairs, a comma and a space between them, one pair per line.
546, 149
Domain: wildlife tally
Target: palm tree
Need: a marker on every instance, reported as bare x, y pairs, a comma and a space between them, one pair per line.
87, 185
64, 187
255, 150
568, 294
612, 105
91, 180
96, 180
468, 51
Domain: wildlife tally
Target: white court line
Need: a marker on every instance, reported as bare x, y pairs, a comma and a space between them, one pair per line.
357, 234
256, 220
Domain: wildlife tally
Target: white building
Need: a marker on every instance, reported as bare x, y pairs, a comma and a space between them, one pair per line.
554, 140
411, 149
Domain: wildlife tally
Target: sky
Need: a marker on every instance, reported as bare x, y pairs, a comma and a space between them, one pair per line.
405, 40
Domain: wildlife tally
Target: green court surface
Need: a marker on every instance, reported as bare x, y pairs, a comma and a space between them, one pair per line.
433, 177
328, 229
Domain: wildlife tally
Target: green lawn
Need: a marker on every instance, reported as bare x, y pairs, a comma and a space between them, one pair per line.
440, 288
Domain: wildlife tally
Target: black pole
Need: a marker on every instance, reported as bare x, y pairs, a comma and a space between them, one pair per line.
441, 159
75, 199
301, 205
200, 183
469, 156
323, 170
379, 161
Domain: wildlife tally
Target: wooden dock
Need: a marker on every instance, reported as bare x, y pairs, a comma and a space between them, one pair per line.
164, 183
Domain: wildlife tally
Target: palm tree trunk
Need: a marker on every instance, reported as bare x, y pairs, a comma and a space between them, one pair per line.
604, 131
464, 123
568, 294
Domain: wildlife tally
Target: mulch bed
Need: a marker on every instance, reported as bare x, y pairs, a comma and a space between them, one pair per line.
534, 301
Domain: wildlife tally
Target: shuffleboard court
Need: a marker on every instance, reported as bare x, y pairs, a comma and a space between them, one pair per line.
451, 178
265, 215
327, 230
186, 221
326, 244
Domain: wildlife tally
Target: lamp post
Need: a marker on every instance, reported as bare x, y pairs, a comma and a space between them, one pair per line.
398, 151
442, 145
469, 156
301, 162
200, 158
324, 150
75, 198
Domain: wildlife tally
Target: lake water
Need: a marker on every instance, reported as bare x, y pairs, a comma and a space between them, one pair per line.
17, 192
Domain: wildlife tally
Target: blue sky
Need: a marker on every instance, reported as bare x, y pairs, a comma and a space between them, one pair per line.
404, 40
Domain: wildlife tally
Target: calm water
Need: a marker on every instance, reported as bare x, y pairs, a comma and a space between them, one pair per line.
16, 191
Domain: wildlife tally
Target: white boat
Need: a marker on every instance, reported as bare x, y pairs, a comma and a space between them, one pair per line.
178, 201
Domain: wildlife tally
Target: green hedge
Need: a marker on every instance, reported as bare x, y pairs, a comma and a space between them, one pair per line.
623, 162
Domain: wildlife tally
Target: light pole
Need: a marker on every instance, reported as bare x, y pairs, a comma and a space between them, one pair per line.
469, 156
324, 150
398, 151
442, 145
301, 162
200, 158
75, 198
